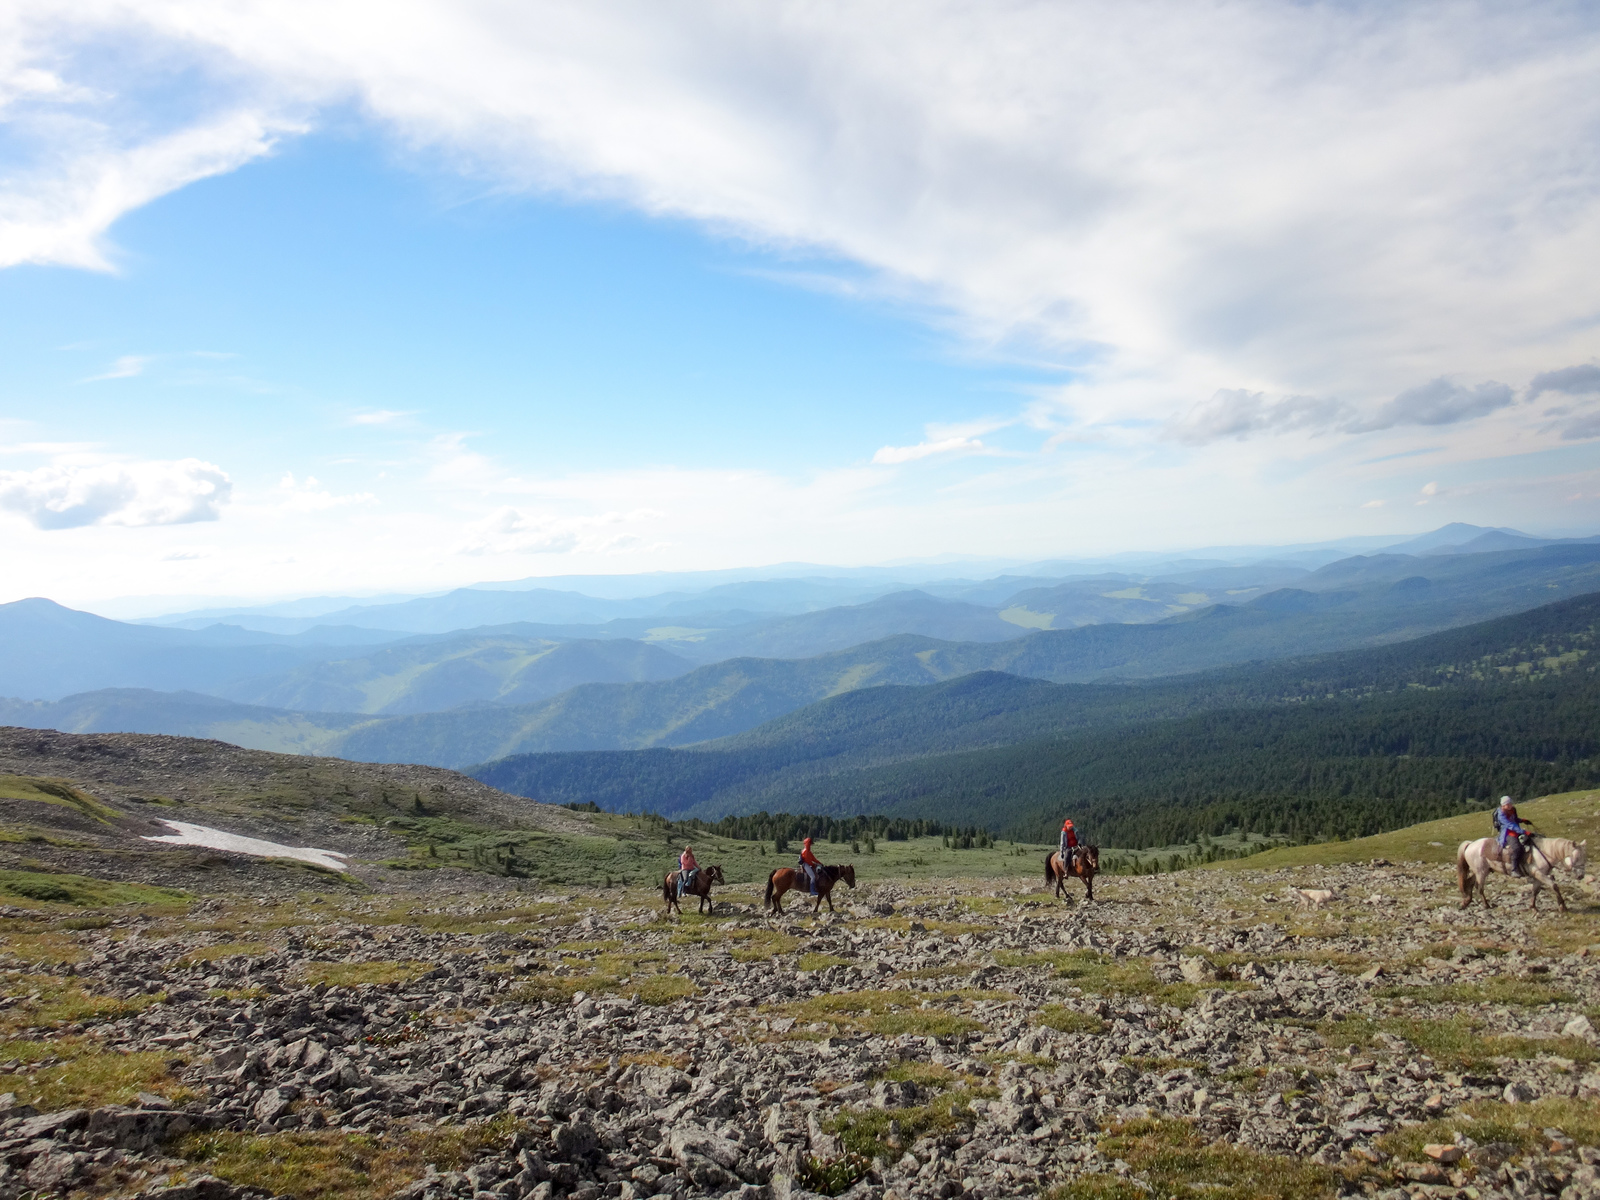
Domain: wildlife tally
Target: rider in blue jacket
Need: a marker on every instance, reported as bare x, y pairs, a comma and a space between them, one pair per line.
1511, 830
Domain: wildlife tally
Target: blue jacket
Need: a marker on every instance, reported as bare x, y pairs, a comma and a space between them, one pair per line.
1507, 824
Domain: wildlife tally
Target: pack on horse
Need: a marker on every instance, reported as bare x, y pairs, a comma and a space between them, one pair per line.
1085, 865
793, 879
699, 884
1475, 860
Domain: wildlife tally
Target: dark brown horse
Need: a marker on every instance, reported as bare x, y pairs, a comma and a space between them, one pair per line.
786, 878
1085, 865
700, 886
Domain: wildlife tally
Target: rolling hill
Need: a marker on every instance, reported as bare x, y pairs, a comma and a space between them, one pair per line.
430, 675
48, 651
1354, 742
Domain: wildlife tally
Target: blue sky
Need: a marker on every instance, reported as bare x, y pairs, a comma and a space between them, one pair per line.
338, 298
265, 309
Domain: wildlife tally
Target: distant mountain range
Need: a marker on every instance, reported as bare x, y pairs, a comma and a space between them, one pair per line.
48, 652
456, 700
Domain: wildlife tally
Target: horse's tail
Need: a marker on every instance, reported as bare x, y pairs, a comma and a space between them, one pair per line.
1049, 871
666, 887
1463, 876
770, 878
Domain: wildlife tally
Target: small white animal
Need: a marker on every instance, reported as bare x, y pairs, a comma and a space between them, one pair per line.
1313, 897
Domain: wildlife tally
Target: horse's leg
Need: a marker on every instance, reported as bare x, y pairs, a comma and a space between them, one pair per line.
1559, 901
1088, 883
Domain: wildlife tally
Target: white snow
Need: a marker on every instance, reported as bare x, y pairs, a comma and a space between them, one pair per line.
216, 839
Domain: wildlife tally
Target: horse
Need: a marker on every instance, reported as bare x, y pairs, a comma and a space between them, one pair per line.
1474, 861
700, 886
1085, 864
787, 878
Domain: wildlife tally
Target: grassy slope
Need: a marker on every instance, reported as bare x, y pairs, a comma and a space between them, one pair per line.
1574, 815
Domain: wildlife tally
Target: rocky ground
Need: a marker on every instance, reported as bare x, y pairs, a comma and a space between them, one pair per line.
1190, 1033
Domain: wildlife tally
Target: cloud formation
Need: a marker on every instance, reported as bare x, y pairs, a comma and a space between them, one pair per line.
66, 496
1240, 414
1176, 193
1437, 402
1574, 381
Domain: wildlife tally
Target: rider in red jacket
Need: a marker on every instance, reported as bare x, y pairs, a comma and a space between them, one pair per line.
812, 866
1069, 844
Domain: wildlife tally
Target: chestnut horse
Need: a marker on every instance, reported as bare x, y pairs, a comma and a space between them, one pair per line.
700, 886
786, 878
1084, 865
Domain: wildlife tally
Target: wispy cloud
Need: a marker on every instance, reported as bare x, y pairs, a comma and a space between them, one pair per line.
125, 367
377, 416
893, 455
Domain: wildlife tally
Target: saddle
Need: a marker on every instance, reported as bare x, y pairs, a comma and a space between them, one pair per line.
1508, 854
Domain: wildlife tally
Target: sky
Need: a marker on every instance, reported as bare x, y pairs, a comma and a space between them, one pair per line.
339, 297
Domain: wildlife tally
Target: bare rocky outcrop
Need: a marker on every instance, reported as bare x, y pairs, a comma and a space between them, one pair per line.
964, 1038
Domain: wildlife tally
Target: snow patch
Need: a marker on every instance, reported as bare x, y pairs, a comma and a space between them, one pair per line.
216, 839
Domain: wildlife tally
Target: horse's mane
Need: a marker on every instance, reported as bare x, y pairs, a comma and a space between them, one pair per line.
1553, 847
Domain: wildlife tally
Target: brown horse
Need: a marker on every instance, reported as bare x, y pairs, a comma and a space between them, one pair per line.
786, 878
1084, 865
700, 886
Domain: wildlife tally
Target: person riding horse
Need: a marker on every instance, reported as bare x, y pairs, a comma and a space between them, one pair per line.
1069, 844
811, 865
1513, 833
686, 870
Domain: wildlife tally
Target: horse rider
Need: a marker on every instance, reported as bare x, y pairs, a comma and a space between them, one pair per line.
811, 865
1069, 845
686, 869
1513, 832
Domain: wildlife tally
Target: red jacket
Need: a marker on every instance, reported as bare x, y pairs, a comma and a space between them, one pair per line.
808, 858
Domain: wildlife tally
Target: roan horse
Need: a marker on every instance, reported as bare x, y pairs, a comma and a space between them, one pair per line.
1474, 861
786, 878
700, 886
1084, 866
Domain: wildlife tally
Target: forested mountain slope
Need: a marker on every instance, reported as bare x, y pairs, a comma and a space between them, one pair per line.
1362, 739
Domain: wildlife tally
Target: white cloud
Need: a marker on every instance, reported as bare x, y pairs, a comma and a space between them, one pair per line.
1184, 195
308, 496
58, 211
890, 455
68, 496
